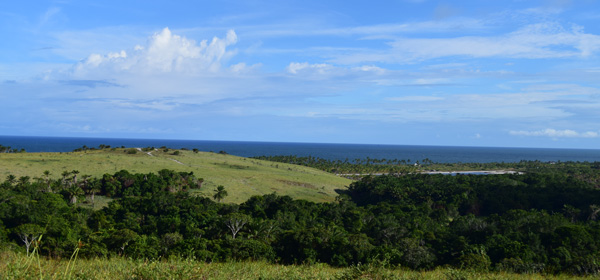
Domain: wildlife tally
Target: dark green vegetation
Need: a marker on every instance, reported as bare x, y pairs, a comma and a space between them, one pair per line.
544, 221
8, 149
367, 166
348, 167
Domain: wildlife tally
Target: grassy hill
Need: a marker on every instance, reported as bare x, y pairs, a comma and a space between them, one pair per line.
242, 177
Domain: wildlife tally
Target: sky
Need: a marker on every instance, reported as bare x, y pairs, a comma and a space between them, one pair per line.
407, 72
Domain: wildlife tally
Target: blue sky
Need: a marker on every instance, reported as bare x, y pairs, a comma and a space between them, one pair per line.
415, 72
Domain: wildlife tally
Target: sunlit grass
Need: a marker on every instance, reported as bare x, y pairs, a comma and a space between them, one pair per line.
15, 266
242, 177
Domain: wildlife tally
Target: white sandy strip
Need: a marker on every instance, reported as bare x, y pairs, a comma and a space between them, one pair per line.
177, 161
473, 172
148, 153
487, 172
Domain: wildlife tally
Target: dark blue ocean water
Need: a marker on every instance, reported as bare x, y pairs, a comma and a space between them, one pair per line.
442, 154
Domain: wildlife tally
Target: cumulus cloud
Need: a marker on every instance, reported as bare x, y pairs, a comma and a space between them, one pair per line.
164, 52
549, 132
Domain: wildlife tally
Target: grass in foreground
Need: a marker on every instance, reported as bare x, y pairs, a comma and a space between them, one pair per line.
242, 177
19, 266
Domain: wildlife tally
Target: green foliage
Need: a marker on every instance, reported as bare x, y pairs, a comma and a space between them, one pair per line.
474, 258
220, 193
243, 177
478, 224
8, 149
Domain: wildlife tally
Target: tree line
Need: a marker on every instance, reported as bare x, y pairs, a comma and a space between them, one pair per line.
9, 149
546, 222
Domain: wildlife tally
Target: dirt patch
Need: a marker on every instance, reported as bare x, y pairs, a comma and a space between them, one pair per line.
297, 184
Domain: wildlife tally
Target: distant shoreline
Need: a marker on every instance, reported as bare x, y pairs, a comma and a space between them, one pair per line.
409, 153
472, 172
475, 172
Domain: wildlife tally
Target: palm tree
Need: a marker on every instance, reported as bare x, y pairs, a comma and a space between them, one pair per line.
91, 188
74, 191
75, 172
47, 180
65, 181
23, 180
85, 180
11, 179
220, 193
65, 174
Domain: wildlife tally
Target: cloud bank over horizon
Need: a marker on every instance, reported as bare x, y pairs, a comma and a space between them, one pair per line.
524, 76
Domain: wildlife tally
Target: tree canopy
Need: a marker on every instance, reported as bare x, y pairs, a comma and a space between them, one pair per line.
543, 221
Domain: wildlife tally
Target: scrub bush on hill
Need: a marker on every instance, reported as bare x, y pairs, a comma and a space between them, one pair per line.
8, 149
533, 223
124, 183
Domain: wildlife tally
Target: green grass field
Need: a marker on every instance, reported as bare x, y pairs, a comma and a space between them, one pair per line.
19, 266
242, 177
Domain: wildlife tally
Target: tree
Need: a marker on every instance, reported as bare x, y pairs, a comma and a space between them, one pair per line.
47, 180
73, 192
170, 239
594, 210
571, 212
11, 179
235, 222
92, 188
119, 239
263, 230
64, 181
75, 172
23, 180
220, 193
29, 234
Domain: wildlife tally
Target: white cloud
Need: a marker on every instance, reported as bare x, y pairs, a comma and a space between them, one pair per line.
375, 31
549, 132
371, 68
369, 73
535, 41
166, 73
536, 104
244, 68
164, 53
296, 67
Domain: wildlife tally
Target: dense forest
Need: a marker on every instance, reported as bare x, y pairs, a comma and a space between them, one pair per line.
543, 221
373, 166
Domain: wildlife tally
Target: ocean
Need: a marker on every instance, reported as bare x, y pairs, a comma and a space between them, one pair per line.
440, 154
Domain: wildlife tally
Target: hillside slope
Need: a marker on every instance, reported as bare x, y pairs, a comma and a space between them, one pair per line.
242, 177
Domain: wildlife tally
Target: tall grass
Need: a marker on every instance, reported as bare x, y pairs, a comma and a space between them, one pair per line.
19, 266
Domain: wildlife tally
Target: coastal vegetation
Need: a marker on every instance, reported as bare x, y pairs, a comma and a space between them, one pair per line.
169, 223
243, 177
357, 168
8, 149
